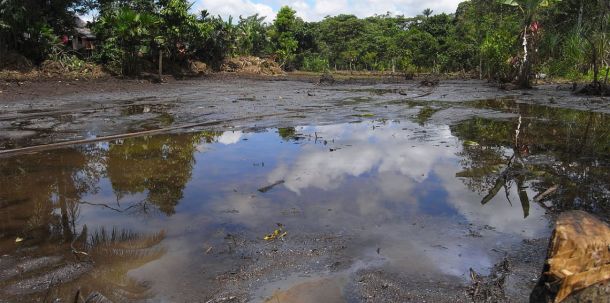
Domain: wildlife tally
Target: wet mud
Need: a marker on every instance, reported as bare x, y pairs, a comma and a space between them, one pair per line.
293, 192
32, 119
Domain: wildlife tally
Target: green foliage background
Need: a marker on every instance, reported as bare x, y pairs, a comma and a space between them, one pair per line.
483, 37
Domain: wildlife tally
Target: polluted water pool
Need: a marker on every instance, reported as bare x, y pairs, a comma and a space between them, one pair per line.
327, 213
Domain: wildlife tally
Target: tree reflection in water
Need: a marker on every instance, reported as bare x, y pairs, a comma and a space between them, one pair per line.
40, 194
114, 253
52, 198
556, 148
160, 165
42, 198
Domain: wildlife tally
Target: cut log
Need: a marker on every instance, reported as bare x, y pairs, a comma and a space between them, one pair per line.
578, 258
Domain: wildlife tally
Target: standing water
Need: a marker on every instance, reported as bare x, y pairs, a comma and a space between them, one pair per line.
302, 214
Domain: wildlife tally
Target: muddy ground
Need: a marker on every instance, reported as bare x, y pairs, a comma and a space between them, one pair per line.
40, 113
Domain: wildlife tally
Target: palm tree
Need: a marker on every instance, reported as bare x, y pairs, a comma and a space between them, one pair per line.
427, 12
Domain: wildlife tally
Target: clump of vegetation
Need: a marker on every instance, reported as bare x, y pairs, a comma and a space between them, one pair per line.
315, 63
501, 40
425, 114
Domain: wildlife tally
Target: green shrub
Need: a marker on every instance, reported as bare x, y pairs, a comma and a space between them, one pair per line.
315, 63
570, 59
496, 55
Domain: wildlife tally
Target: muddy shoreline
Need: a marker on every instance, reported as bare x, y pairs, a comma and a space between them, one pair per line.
36, 114
14, 90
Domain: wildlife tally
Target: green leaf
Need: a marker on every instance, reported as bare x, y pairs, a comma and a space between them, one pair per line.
500, 182
545, 3
509, 2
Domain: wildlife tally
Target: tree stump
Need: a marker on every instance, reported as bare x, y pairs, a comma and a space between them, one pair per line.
577, 268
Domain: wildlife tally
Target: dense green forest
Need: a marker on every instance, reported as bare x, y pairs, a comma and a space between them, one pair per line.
501, 40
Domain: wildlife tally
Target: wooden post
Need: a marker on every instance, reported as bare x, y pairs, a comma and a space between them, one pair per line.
160, 65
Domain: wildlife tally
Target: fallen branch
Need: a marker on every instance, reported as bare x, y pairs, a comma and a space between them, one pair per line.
143, 202
38, 148
43, 147
424, 94
77, 252
269, 187
541, 196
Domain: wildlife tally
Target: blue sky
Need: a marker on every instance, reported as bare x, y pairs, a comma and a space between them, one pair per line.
314, 10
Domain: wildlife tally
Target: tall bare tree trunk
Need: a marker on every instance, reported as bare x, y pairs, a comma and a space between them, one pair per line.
160, 65
526, 66
594, 58
480, 67
595, 65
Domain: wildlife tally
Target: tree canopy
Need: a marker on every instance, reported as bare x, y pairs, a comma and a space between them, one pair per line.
496, 39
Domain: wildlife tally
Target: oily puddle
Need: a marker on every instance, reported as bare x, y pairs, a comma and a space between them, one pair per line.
181, 217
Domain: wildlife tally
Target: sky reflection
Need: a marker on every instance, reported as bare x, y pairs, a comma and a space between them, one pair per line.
391, 187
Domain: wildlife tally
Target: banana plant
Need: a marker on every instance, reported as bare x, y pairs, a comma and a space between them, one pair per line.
529, 9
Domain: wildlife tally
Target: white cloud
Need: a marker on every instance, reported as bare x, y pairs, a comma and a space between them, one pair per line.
315, 10
399, 156
391, 152
366, 8
230, 137
236, 8
330, 7
303, 9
